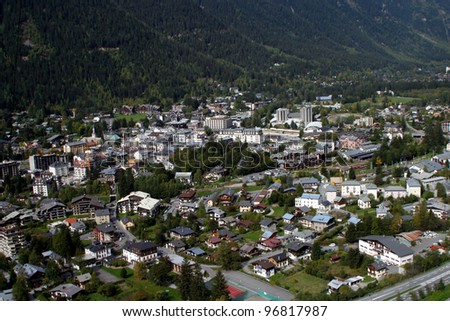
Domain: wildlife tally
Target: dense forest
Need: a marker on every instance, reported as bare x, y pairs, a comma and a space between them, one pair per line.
93, 55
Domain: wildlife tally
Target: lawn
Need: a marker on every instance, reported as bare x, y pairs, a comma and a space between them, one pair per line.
116, 272
355, 209
253, 188
441, 295
278, 211
252, 235
133, 285
134, 117
300, 282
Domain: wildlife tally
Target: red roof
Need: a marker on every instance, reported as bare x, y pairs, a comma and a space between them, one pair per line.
71, 220
214, 240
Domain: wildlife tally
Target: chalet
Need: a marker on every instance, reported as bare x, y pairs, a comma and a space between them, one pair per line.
309, 184
82, 279
280, 260
211, 200
215, 213
322, 222
65, 292
288, 218
340, 202
187, 196
335, 258
178, 261
299, 250
371, 189
270, 244
245, 206
226, 197
213, 242
140, 252
289, 229
413, 187
33, 273
86, 204
330, 193
248, 250
181, 232
268, 234
336, 284
51, 209
264, 268
259, 208
378, 270
78, 227
386, 249
109, 175
267, 224
229, 221
195, 251
127, 223
176, 246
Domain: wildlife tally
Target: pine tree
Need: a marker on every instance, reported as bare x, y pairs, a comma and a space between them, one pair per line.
20, 289
316, 252
219, 291
197, 289
185, 280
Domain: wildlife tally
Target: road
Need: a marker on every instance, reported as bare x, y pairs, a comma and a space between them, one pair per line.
419, 281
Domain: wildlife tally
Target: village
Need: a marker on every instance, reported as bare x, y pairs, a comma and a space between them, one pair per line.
312, 200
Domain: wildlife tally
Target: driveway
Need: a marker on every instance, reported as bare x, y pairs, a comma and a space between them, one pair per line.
106, 277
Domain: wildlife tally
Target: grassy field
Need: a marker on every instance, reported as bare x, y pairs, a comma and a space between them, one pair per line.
255, 188
443, 295
134, 117
300, 282
278, 211
252, 235
116, 272
355, 209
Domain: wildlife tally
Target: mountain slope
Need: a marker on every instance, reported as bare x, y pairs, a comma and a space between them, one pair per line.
93, 54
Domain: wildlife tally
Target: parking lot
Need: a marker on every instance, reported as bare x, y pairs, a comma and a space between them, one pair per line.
426, 241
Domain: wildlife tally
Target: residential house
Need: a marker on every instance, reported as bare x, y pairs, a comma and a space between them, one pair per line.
102, 216
211, 200
215, 213
140, 252
127, 223
304, 236
264, 268
213, 242
65, 292
268, 234
299, 250
330, 193
378, 270
105, 233
394, 192
188, 196
195, 251
371, 189
270, 244
226, 197
181, 232
176, 245
364, 202
51, 209
185, 177
280, 260
86, 204
248, 250
352, 283
34, 274
309, 200
99, 251
288, 218
178, 261
83, 279
309, 184
267, 224
409, 238
386, 249
245, 206
353, 220
350, 188
413, 187
228, 221
321, 222
382, 211
78, 227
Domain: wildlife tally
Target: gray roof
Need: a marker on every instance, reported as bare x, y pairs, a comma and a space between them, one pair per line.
183, 231
141, 246
391, 243
106, 228
196, 251
69, 289
84, 277
412, 182
379, 265
297, 246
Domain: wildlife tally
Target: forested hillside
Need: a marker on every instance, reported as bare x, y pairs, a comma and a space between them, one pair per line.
94, 54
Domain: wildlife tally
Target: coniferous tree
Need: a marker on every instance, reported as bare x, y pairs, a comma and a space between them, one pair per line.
20, 289
185, 280
219, 291
197, 289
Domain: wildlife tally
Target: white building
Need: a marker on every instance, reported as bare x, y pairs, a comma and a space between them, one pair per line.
371, 189
100, 251
330, 193
350, 188
413, 187
282, 115
140, 252
386, 249
309, 200
306, 115
138, 202
41, 186
218, 122
59, 169
245, 135
364, 202
394, 192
